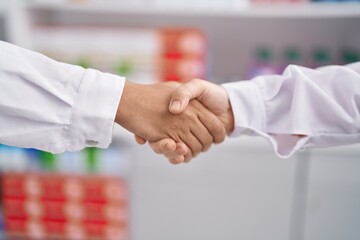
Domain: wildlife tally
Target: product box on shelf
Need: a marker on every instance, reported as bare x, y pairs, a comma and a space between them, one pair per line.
141, 55
48, 206
266, 61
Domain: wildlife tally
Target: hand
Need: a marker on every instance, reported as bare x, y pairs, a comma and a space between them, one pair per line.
143, 110
212, 96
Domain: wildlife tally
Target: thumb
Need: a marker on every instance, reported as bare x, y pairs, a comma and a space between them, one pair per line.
183, 94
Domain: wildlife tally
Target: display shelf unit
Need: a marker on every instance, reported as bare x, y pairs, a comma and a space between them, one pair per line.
299, 10
233, 34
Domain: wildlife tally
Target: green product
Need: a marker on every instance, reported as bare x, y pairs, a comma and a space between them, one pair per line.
321, 57
124, 68
83, 62
91, 159
264, 54
292, 56
48, 161
350, 56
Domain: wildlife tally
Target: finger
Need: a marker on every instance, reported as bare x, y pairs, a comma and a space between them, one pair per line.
163, 146
177, 160
188, 157
203, 135
174, 162
213, 125
182, 95
193, 144
181, 150
185, 158
140, 140
210, 128
178, 156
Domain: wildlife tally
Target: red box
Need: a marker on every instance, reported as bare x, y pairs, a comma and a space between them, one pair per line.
65, 207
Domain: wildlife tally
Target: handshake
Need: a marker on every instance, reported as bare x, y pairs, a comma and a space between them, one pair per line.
178, 120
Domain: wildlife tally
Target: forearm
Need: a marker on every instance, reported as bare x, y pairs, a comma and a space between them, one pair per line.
321, 104
54, 106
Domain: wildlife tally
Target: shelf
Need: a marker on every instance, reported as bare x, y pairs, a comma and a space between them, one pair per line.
302, 10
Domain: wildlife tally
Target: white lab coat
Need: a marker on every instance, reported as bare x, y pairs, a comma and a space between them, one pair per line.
323, 104
53, 106
58, 107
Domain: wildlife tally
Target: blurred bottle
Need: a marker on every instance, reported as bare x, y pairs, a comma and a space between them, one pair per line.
349, 56
292, 56
92, 155
48, 161
124, 68
263, 64
83, 62
320, 57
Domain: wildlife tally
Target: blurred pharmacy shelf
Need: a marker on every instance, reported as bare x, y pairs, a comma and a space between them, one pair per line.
289, 10
243, 178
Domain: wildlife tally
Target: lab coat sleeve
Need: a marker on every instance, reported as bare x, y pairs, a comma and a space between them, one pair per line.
301, 108
53, 106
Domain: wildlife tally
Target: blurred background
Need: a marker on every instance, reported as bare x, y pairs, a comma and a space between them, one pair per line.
237, 190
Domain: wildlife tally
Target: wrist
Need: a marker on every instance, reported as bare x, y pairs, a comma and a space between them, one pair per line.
229, 125
225, 106
123, 113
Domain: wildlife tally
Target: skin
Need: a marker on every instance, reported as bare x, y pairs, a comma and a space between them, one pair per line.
213, 97
143, 110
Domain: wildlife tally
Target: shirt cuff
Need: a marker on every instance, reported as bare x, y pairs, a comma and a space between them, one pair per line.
248, 108
250, 118
95, 109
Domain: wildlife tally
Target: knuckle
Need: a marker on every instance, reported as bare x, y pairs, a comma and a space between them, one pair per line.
218, 128
181, 150
160, 147
209, 139
183, 92
188, 114
169, 146
196, 80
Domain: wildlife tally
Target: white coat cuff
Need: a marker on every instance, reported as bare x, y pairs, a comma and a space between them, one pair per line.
251, 119
95, 109
248, 108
